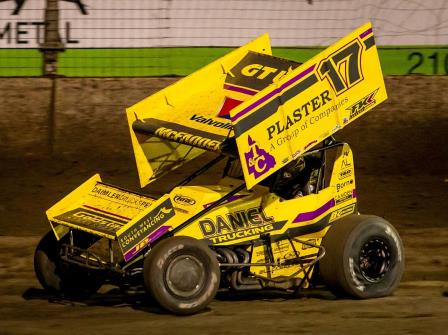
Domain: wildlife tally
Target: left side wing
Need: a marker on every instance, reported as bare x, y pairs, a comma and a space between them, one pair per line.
308, 104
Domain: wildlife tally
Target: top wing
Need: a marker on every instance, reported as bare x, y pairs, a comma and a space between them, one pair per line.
183, 120
249, 76
191, 116
308, 104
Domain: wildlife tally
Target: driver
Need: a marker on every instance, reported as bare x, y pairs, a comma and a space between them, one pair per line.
298, 178
288, 183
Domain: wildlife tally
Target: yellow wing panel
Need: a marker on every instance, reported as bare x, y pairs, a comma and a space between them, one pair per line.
192, 105
310, 103
98, 208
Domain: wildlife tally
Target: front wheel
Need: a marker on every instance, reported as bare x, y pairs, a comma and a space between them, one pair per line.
182, 274
364, 257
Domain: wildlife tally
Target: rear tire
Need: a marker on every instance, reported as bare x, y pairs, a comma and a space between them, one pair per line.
182, 274
59, 278
364, 257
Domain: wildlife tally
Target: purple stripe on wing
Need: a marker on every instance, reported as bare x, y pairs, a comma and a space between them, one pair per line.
367, 32
240, 89
274, 92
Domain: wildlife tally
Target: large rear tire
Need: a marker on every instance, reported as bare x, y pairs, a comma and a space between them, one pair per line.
182, 274
59, 278
364, 257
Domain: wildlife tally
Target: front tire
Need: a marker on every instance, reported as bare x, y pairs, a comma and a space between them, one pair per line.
59, 278
182, 274
364, 257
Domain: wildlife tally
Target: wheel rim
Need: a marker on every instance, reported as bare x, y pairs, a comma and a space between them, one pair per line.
185, 276
375, 259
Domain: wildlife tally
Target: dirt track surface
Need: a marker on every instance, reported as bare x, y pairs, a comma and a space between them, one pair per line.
418, 307
401, 172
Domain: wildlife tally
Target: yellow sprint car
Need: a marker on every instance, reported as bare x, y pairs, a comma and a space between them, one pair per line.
284, 213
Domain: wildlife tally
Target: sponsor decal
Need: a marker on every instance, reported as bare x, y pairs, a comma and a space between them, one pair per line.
184, 200
336, 128
283, 246
343, 197
186, 138
285, 139
124, 197
211, 122
303, 111
143, 243
341, 70
296, 154
256, 71
237, 225
350, 209
92, 220
361, 105
278, 132
314, 119
345, 174
345, 164
258, 160
292, 86
312, 241
340, 186
309, 144
140, 230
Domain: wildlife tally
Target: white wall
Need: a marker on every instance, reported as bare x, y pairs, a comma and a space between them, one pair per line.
155, 23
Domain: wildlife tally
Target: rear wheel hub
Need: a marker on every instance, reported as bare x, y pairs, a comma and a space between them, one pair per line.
375, 259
